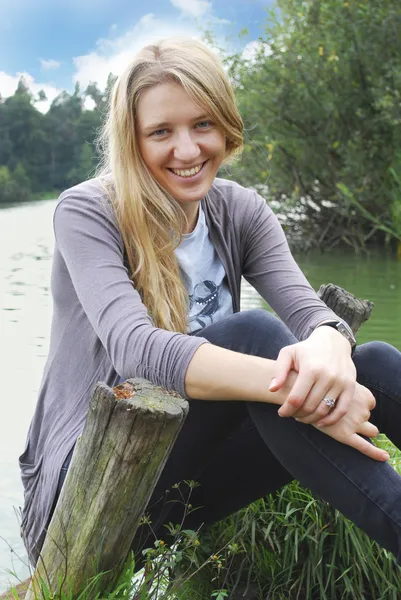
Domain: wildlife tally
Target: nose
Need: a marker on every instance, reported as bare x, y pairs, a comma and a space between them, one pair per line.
185, 147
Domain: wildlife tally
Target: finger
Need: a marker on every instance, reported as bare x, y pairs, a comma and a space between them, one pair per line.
367, 448
297, 395
284, 365
368, 429
339, 410
314, 404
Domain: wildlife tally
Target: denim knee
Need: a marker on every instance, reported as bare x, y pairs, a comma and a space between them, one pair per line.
266, 327
256, 332
378, 364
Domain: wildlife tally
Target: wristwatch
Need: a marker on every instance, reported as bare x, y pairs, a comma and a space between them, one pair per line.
342, 328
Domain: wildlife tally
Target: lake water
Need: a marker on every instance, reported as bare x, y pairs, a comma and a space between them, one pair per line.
26, 243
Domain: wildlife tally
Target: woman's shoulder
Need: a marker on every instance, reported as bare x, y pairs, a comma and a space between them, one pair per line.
228, 195
96, 189
92, 195
87, 206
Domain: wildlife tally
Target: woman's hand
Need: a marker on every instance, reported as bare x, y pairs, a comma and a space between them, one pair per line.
349, 429
325, 370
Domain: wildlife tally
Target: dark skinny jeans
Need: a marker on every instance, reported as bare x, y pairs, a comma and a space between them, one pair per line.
241, 451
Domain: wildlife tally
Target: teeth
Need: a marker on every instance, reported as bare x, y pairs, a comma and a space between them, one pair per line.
187, 172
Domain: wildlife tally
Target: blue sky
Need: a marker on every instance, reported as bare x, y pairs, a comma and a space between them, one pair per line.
55, 43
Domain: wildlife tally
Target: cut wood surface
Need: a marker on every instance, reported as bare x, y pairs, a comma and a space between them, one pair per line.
128, 435
353, 310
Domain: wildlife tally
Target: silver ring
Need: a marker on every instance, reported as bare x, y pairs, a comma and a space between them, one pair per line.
331, 402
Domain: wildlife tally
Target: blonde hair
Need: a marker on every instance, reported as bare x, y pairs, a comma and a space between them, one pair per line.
150, 220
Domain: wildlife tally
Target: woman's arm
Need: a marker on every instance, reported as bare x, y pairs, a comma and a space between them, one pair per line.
323, 359
215, 373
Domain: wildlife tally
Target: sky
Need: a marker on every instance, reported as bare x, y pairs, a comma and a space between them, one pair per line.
55, 43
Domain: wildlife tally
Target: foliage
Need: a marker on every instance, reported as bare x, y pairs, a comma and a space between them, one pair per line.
14, 186
322, 106
321, 101
52, 151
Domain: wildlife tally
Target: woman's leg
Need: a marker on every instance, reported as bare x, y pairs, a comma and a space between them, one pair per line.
210, 424
241, 471
379, 369
366, 491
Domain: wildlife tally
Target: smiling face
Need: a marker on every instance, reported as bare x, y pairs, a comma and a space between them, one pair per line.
179, 143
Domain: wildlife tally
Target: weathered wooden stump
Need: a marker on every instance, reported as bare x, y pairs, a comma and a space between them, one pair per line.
127, 438
353, 310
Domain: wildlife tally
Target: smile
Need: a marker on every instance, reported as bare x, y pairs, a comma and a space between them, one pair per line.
187, 173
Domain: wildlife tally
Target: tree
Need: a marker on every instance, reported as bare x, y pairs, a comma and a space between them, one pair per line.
321, 105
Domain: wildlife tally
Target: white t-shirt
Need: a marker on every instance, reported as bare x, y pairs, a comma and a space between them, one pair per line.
204, 277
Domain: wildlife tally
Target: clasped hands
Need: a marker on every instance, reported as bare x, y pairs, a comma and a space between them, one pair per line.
321, 367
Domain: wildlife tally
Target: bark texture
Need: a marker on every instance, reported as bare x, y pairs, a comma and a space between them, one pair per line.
128, 435
353, 310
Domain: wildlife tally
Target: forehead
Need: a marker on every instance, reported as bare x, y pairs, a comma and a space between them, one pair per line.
166, 102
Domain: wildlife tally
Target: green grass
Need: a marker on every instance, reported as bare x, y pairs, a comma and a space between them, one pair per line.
295, 547
285, 547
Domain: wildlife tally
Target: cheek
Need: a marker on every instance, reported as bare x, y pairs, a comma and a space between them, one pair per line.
150, 155
218, 143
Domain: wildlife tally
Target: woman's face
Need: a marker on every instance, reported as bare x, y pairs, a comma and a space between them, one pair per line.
179, 143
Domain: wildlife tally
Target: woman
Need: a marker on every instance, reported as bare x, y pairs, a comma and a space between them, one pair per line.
145, 283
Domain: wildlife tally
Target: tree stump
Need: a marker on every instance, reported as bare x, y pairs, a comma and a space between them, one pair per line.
346, 306
128, 435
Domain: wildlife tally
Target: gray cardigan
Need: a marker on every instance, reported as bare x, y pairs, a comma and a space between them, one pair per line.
101, 331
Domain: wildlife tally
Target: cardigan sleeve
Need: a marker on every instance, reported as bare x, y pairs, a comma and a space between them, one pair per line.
270, 268
91, 246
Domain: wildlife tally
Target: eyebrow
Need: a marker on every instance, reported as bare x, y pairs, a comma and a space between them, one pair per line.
164, 124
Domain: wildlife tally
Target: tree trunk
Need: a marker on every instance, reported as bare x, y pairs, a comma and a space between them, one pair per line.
128, 435
354, 311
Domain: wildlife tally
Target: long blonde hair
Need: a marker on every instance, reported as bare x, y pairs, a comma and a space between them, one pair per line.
150, 220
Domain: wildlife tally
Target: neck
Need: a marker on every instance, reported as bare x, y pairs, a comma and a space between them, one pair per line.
192, 217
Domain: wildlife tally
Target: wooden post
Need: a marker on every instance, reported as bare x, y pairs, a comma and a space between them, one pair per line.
127, 438
354, 311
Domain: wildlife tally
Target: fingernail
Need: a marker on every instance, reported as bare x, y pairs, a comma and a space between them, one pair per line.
272, 383
386, 455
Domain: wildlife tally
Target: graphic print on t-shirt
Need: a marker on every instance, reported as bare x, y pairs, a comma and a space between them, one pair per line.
204, 278
203, 304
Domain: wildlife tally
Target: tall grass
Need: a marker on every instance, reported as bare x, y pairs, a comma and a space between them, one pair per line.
290, 546
295, 547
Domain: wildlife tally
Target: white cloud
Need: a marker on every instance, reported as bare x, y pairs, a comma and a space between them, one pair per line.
194, 8
9, 83
89, 103
253, 49
48, 65
113, 54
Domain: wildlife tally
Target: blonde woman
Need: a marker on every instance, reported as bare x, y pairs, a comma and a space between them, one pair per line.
145, 283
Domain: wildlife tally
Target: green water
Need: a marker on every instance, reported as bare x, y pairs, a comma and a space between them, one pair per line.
376, 277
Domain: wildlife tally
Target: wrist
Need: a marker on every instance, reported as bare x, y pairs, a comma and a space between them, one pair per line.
342, 328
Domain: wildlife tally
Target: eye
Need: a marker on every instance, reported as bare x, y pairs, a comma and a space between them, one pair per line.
159, 132
204, 124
